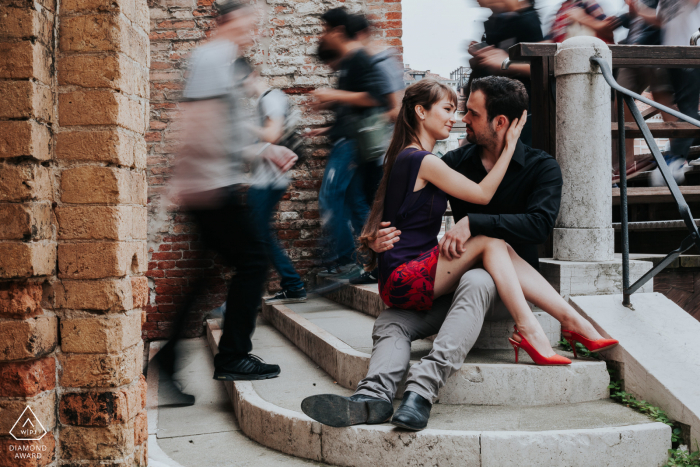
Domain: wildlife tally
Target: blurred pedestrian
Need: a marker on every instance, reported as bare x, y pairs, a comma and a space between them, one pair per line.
583, 18
678, 21
359, 96
276, 124
511, 22
210, 184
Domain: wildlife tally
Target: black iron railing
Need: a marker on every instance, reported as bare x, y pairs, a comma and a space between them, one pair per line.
625, 96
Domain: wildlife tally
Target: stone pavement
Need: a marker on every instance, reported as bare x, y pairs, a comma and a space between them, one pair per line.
206, 433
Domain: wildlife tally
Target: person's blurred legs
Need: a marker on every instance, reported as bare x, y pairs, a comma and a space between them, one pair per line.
686, 88
339, 172
262, 201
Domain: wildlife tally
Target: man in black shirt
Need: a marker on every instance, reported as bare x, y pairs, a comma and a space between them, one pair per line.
522, 212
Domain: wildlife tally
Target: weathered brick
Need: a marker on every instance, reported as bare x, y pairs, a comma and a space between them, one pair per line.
25, 60
100, 222
99, 108
140, 291
114, 71
112, 146
43, 406
24, 138
101, 408
20, 300
111, 295
45, 449
100, 370
27, 378
28, 221
111, 333
26, 23
143, 387
103, 185
101, 259
141, 428
29, 338
103, 33
26, 99
141, 455
97, 443
24, 182
18, 260
135, 10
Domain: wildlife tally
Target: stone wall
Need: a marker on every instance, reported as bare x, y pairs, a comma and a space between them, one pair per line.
289, 34
73, 108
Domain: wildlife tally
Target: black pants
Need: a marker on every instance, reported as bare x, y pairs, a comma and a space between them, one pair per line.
230, 231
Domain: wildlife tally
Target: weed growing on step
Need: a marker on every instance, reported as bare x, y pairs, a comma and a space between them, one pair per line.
682, 457
676, 457
580, 349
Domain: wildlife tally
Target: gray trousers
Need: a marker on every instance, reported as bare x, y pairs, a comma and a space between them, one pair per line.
456, 319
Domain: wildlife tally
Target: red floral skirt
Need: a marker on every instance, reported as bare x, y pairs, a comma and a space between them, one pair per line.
410, 286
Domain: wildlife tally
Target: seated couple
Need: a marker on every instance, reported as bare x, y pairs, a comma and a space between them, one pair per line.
488, 260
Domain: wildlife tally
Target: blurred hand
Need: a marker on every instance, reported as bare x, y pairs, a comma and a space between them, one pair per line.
606, 28
452, 243
632, 4
282, 157
323, 95
316, 132
386, 237
490, 58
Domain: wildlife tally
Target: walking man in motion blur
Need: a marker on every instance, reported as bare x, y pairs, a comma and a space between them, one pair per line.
210, 184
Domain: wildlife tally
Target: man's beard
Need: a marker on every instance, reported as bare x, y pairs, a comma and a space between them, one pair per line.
486, 138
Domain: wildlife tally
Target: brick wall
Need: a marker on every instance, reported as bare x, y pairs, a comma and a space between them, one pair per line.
73, 111
289, 34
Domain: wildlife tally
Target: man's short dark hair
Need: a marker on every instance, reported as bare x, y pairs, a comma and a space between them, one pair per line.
224, 7
337, 17
356, 24
504, 96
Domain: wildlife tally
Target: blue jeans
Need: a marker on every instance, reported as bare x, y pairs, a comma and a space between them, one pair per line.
342, 201
262, 201
686, 90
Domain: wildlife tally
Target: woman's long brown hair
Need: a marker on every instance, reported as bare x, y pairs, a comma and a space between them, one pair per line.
425, 93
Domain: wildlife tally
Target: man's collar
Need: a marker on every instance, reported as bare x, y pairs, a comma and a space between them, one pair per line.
519, 153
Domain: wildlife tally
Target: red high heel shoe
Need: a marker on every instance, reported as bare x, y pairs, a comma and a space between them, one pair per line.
536, 357
593, 346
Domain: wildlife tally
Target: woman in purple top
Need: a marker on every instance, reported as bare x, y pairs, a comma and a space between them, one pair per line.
412, 198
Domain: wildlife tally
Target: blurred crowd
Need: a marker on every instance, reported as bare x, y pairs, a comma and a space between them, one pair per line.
240, 138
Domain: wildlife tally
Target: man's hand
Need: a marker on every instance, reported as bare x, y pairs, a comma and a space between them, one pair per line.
324, 95
282, 157
317, 132
452, 244
490, 58
386, 237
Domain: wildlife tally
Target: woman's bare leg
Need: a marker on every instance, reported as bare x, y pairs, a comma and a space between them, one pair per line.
540, 292
493, 253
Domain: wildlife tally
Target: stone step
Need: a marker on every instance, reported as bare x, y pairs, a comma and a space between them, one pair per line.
599, 433
339, 340
494, 334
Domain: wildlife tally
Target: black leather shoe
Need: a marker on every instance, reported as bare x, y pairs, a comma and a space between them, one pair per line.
413, 413
334, 410
249, 368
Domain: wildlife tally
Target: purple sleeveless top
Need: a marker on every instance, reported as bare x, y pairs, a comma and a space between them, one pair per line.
418, 215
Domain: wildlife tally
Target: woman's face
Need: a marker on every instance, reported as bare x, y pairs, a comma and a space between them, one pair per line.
440, 119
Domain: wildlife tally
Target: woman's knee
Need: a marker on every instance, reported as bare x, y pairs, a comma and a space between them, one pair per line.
495, 245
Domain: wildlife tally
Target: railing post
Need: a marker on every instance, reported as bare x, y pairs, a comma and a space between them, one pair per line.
583, 230
621, 148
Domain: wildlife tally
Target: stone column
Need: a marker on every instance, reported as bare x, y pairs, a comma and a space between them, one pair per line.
583, 229
100, 291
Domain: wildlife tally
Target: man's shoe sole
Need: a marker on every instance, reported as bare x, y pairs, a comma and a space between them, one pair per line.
338, 411
243, 377
399, 424
285, 300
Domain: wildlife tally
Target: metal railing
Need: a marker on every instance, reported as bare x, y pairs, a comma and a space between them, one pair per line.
625, 96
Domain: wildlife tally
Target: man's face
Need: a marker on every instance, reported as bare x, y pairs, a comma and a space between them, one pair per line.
479, 129
332, 37
239, 27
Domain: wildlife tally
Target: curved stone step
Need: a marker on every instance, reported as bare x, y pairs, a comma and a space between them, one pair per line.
599, 433
494, 334
339, 340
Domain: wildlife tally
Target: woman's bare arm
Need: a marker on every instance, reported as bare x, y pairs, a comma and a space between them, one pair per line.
435, 171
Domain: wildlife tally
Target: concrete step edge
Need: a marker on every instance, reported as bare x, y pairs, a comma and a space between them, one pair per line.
295, 434
478, 384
